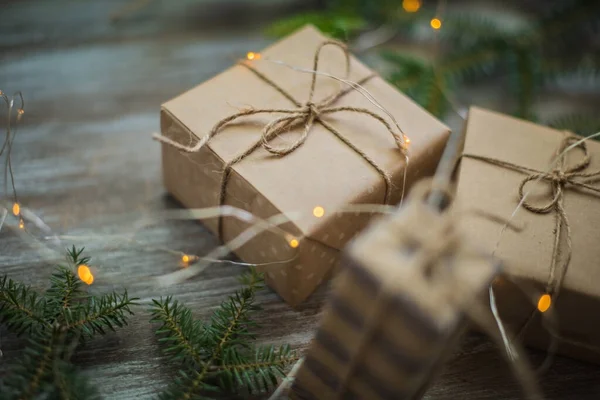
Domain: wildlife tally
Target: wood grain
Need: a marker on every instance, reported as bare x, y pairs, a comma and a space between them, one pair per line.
85, 163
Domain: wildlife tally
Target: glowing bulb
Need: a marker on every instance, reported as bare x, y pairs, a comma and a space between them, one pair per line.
20, 111
185, 258
16, 209
318, 211
21, 224
85, 274
406, 140
294, 243
253, 56
411, 6
544, 303
436, 23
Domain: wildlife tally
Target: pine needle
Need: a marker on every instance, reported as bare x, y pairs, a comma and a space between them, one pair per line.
218, 358
55, 323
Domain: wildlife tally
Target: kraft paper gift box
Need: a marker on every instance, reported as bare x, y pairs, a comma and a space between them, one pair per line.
397, 309
314, 183
502, 153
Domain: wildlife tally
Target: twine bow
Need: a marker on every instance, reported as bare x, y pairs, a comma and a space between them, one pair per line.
306, 114
560, 178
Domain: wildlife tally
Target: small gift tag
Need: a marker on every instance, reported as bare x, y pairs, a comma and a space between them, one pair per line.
398, 307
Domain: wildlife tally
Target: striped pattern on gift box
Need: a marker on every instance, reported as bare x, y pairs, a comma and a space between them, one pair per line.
390, 347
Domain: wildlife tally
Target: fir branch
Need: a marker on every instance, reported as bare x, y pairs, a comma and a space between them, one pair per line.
229, 324
340, 26
189, 385
182, 334
55, 322
525, 80
582, 124
98, 315
257, 372
20, 307
584, 77
70, 385
65, 289
220, 354
479, 44
28, 377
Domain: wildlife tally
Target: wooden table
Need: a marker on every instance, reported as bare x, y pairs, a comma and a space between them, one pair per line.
85, 163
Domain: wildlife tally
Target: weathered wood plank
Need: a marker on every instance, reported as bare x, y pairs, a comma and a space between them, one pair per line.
85, 163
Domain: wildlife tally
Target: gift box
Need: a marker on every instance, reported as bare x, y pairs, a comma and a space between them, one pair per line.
282, 144
397, 310
551, 252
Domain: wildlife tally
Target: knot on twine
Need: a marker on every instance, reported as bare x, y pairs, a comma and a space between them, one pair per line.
560, 178
304, 114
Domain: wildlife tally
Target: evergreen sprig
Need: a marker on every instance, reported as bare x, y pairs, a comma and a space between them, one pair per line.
56, 322
217, 357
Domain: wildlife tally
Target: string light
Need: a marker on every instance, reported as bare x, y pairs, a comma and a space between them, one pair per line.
318, 211
20, 111
85, 274
253, 56
188, 259
16, 209
436, 23
21, 224
544, 303
294, 243
406, 140
411, 6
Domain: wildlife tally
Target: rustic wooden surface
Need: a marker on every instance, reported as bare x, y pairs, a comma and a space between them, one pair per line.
85, 163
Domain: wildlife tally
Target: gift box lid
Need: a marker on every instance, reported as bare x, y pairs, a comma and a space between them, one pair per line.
324, 171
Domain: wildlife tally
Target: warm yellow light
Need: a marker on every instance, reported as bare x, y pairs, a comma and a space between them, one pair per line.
406, 141
16, 209
544, 303
294, 243
85, 274
436, 23
20, 111
185, 258
318, 211
253, 56
21, 224
411, 6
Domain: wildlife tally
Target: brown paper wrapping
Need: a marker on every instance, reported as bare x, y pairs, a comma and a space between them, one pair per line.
527, 254
369, 347
323, 172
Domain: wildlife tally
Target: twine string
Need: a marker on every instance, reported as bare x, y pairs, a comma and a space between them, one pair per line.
304, 114
559, 178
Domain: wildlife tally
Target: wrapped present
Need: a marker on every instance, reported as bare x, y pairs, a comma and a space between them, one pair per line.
273, 138
507, 162
406, 292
